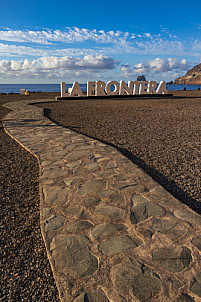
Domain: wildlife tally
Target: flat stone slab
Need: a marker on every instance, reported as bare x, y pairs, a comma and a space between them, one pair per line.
72, 256
79, 226
106, 229
135, 280
184, 298
118, 244
110, 211
172, 228
173, 259
92, 201
143, 209
55, 195
197, 242
111, 232
76, 211
196, 287
92, 296
188, 215
91, 186
54, 222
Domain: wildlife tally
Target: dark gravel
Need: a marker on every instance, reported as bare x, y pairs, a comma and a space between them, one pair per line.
24, 268
163, 136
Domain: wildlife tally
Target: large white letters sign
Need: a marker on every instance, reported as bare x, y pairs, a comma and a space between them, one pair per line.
100, 88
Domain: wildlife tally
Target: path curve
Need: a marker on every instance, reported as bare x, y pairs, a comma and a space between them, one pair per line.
111, 232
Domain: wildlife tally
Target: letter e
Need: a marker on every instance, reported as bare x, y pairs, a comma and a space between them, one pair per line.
152, 87
143, 87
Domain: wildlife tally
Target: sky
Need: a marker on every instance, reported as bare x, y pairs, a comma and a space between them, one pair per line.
53, 41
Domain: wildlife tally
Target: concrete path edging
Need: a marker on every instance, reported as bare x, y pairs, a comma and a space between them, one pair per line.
111, 232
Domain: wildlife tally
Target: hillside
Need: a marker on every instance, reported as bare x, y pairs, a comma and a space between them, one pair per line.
192, 77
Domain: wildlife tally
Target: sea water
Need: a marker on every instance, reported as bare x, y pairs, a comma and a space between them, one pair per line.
15, 88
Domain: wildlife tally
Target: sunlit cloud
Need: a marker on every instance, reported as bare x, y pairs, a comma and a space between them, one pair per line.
56, 66
41, 53
157, 65
70, 35
16, 50
130, 42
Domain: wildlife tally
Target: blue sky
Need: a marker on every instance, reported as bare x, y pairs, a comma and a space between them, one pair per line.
48, 42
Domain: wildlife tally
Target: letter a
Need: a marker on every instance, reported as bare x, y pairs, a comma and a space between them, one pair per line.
76, 90
162, 88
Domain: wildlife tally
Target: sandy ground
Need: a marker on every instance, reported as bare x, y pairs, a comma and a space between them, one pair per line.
163, 136
24, 267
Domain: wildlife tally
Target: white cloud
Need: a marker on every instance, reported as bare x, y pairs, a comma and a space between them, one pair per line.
158, 66
196, 45
161, 65
73, 41
129, 42
70, 35
148, 35
127, 70
81, 51
24, 36
100, 62
15, 50
56, 66
160, 46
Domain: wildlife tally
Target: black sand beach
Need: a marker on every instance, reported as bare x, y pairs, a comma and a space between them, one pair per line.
25, 270
162, 136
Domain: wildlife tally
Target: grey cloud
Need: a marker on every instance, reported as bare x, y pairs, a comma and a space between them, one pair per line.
98, 63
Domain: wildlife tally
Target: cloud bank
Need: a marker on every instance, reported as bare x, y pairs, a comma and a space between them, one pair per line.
99, 40
155, 66
80, 51
56, 66
69, 35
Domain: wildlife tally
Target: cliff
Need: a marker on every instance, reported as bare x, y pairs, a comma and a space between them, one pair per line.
192, 77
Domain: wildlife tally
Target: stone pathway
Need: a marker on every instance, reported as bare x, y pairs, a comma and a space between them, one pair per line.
111, 232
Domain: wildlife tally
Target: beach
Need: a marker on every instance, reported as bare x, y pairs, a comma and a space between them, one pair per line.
25, 270
162, 136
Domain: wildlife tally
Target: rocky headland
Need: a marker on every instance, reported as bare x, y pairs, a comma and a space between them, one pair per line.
192, 77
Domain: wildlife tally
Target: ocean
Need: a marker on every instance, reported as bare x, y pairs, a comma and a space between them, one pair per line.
15, 88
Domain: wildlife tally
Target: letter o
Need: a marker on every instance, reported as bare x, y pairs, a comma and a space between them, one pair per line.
108, 88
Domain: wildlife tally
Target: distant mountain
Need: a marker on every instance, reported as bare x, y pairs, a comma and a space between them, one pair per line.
141, 78
170, 83
192, 77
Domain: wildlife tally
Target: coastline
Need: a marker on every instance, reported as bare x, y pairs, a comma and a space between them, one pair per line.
11, 89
